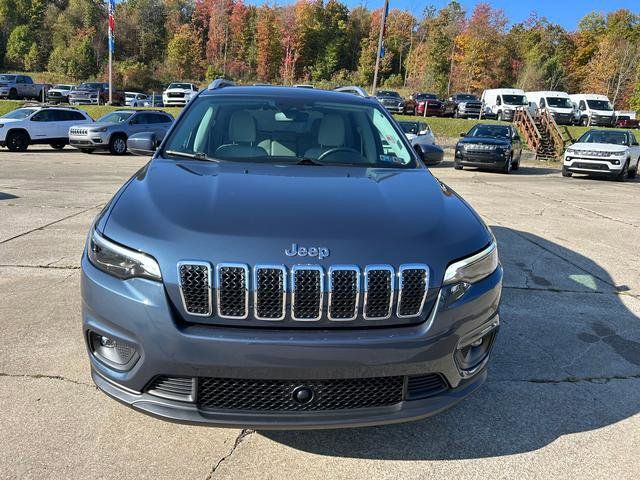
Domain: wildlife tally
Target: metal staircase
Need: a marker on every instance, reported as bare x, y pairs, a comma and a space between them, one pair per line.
542, 134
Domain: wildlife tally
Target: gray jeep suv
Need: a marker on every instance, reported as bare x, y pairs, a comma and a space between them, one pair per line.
285, 261
112, 130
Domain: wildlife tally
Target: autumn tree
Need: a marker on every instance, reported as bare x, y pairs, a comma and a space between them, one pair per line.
268, 46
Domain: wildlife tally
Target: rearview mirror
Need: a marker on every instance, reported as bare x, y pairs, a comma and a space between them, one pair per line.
145, 143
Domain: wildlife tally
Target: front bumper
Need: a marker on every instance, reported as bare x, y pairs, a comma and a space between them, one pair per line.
483, 159
91, 140
138, 312
601, 121
591, 165
83, 100
394, 108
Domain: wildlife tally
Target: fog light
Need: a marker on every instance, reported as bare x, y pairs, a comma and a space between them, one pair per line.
473, 351
615, 162
114, 352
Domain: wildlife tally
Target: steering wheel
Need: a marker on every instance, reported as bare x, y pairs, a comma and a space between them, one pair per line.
331, 151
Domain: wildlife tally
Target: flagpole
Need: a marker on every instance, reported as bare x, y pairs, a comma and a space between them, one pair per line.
383, 22
112, 8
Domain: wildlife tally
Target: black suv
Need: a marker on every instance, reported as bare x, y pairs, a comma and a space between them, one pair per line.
489, 146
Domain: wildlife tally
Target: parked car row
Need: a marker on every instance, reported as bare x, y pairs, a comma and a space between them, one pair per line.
60, 126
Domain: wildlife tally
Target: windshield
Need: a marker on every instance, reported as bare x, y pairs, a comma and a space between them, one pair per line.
7, 78
559, 102
387, 93
289, 130
90, 86
19, 114
426, 96
514, 99
604, 136
466, 97
488, 130
599, 105
115, 117
186, 86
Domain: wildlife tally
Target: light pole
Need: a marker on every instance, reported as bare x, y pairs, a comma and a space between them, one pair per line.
379, 52
112, 26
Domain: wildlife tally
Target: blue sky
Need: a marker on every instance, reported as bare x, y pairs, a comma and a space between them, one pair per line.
565, 12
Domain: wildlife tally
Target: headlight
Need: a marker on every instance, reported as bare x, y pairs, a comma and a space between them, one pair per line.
571, 150
120, 261
102, 129
473, 268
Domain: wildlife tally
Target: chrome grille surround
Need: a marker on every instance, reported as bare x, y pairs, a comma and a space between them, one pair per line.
339, 294
232, 273
368, 297
404, 273
281, 294
187, 302
297, 298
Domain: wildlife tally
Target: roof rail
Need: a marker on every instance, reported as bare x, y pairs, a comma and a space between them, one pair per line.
220, 83
353, 89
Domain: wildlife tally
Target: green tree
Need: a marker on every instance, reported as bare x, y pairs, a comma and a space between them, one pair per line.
18, 46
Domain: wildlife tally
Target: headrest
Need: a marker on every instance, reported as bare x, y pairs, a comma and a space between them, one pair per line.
331, 132
242, 127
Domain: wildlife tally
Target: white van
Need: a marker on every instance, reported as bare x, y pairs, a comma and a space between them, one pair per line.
593, 110
501, 103
558, 104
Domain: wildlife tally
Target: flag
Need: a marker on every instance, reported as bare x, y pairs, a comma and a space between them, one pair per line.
112, 24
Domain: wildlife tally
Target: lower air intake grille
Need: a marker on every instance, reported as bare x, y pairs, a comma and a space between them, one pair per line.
277, 395
413, 290
233, 291
195, 286
422, 386
307, 293
175, 388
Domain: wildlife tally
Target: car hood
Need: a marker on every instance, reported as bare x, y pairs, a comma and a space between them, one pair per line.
604, 113
181, 90
10, 120
484, 141
599, 147
251, 213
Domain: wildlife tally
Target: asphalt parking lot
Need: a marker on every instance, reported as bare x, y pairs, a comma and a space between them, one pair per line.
562, 399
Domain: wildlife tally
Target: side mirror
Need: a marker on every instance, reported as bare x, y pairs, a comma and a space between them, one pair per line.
463, 134
419, 151
145, 143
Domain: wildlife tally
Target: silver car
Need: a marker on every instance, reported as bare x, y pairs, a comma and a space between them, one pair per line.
112, 130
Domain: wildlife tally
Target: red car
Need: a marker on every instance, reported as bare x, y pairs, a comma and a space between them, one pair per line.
624, 121
431, 103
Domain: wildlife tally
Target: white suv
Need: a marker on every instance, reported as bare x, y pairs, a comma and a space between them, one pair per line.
179, 94
614, 153
29, 125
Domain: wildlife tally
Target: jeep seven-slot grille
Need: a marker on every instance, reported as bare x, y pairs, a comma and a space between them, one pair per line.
270, 292
307, 292
195, 285
378, 293
344, 290
299, 294
413, 290
233, 290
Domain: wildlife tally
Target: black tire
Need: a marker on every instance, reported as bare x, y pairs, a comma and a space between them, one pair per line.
118, 144
499, 116
584, 121
566, 172
457, 166
86, 150
508, 166
57, 145
632, 173
13, 94
624, 173
516, 166
18, 141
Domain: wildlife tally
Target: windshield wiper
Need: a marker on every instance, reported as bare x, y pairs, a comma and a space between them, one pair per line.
309, 161
194, 156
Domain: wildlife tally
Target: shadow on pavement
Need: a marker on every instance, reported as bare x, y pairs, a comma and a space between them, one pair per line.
7, 196
567, 360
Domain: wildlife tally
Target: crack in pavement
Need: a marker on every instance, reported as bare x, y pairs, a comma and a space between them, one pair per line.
571, 379
39, 376
47, 267
244, 433
50, 223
